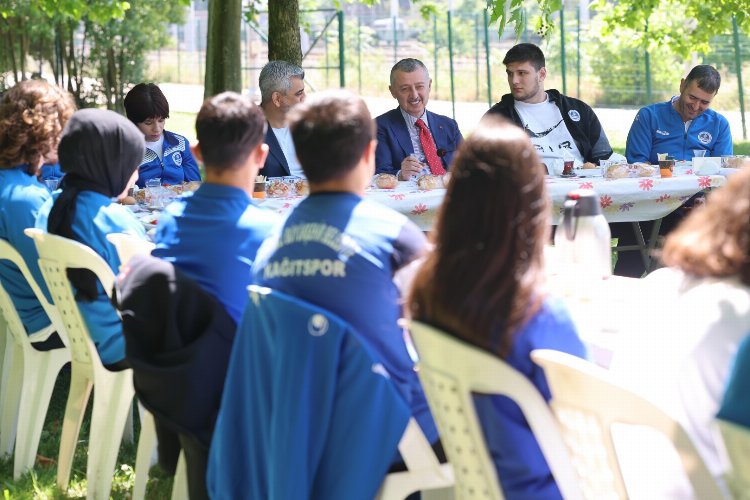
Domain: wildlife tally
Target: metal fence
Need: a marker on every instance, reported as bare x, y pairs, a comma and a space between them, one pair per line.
357, 46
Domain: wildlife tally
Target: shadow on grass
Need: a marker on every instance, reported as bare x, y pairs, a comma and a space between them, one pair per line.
40, 482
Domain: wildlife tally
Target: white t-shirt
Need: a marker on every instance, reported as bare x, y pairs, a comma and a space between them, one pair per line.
548, 133
157, 146
287, 146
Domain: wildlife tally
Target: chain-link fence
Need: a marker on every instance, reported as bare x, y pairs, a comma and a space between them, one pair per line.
464, 56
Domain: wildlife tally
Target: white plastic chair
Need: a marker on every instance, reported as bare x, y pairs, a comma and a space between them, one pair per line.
587, 403
128, 245
424, 471
737, 446
114, 390
146, 446
452, 371
29, 376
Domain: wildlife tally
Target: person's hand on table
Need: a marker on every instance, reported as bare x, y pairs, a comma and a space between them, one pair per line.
409, 167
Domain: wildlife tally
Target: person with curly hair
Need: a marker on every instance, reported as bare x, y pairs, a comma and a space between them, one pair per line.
694, 314
32, 116
484, 284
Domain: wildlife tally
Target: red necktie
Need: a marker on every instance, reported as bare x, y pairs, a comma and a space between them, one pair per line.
428, 148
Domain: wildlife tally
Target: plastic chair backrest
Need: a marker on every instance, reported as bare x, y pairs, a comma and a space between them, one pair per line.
451, 371
587, 403
128, 245
737, 444
56, 255
8, 252
423, 473
13, 324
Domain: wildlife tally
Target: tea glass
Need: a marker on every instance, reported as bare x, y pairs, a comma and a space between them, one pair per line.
52, 183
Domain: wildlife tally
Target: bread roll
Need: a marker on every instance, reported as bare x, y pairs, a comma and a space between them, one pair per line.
386, 181
617, 171
644, 169
430, 181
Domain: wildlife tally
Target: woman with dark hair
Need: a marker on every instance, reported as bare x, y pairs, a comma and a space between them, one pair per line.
32, 116
692, 326
167, 155
484, 284
99, 154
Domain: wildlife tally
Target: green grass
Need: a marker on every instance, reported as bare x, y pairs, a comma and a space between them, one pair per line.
39, 483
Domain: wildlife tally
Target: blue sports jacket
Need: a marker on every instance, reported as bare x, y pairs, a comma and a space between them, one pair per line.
659, 128
177, 166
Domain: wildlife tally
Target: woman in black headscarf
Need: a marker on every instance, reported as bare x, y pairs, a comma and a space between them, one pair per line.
99, 153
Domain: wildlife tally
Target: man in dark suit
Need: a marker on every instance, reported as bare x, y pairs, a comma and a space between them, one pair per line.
282, 86
412, 140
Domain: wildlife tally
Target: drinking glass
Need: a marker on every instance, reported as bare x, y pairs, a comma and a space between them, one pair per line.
699, 153
153, 193
52, 183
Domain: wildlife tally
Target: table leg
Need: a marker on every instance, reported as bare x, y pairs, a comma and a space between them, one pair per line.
653, 239
641, 245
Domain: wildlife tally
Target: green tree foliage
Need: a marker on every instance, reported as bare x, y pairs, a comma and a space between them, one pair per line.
118, 46
513, 12
683, 26
95, 48
620, 67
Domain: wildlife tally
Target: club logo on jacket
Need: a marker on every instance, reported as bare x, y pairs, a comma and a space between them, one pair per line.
661, 132
317, 325
574, 115
177, 158
704, 137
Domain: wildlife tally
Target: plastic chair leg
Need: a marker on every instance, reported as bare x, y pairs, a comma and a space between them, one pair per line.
128, 435
447, 493
40, 373
146, 447
80, 390
5, 343
180, 484
10, 394
113, 398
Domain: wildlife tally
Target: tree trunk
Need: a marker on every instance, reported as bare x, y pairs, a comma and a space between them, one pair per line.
283, 31
69, 56
23, 50
110, 77
80, 66
12, 52
57, 68
223, 51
